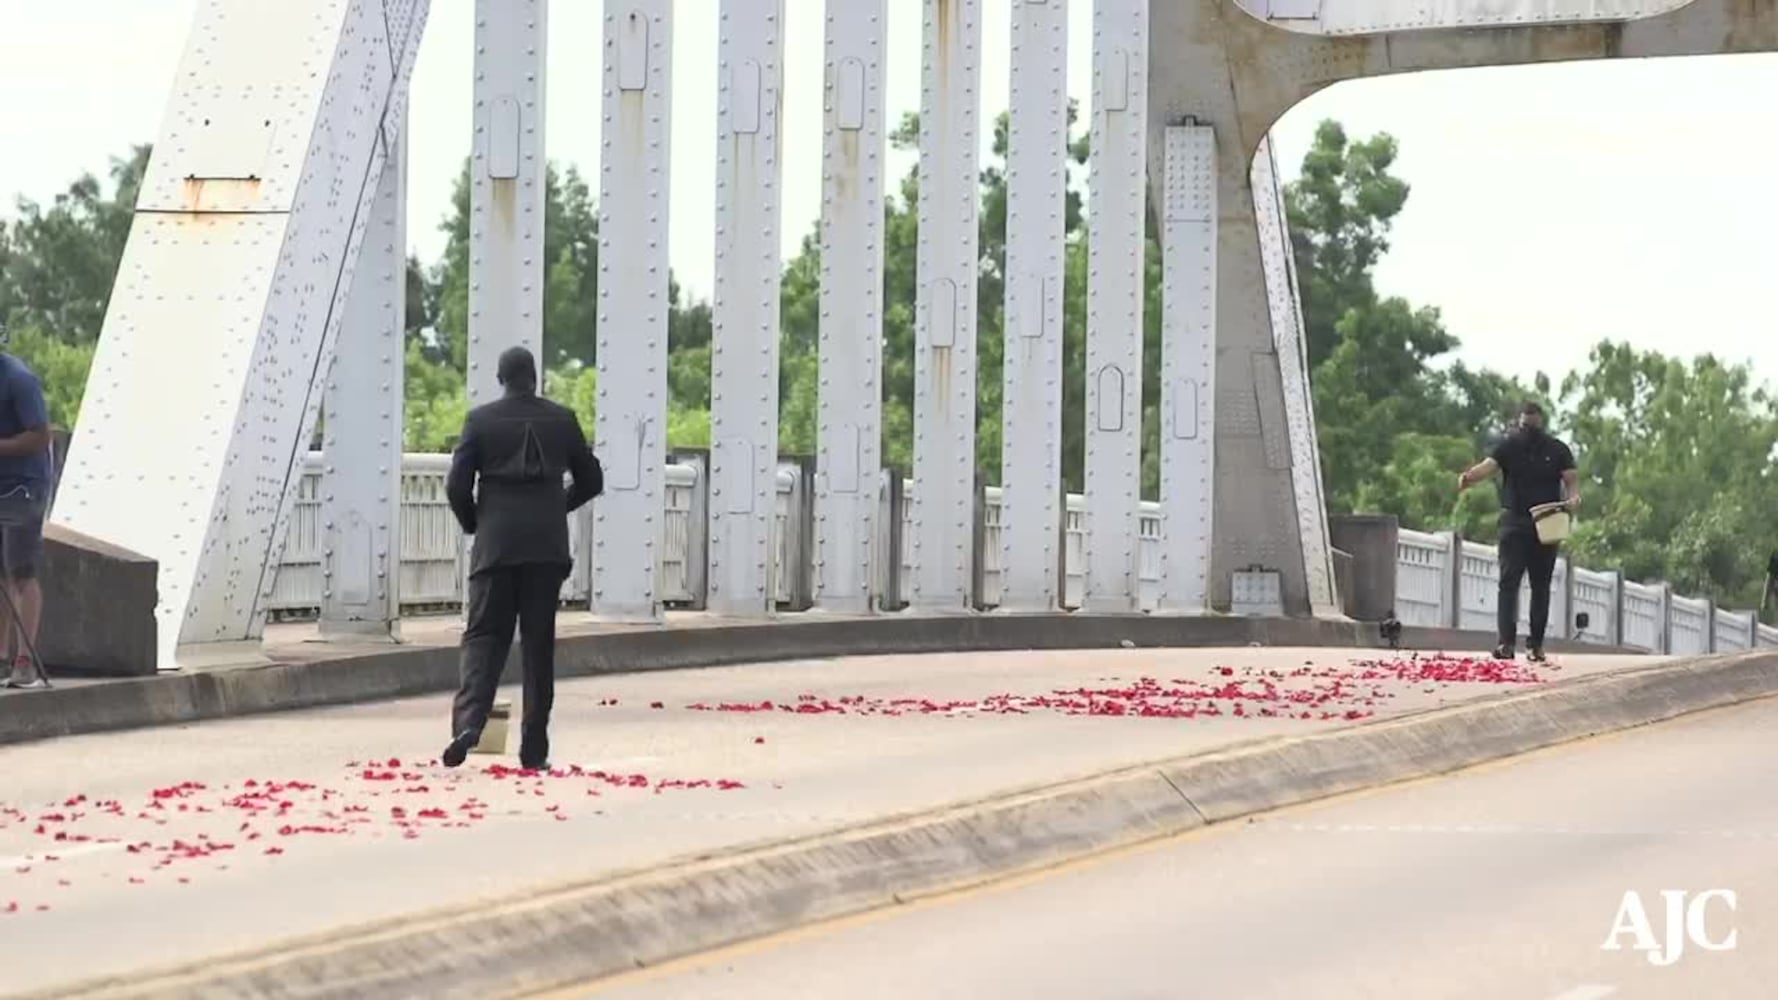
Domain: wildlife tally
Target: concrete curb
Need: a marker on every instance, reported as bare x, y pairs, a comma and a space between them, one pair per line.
579, 931
401, 672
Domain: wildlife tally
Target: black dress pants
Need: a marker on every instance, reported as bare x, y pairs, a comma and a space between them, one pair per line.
1521, 553
526, 596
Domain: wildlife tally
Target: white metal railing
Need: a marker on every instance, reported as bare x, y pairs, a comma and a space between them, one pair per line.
1688, 625
1641, 616
1645, 616
1423, 578
1441, 581
1732, 630
1594, 594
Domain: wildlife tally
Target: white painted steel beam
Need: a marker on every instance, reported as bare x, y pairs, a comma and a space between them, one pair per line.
630, 433
1290, 344
1241, 75
1116, 221
944, 348
1188, 368
506, 192
362, 428
850, 404
1363, 17
744, 360
1036, 178
229, 300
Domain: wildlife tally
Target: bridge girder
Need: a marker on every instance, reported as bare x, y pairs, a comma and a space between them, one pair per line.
230, 297
1221, 63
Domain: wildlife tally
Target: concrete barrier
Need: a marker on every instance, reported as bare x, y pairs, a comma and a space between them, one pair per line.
400, 672
1344, 584
1372, 540
573, 932
98, 607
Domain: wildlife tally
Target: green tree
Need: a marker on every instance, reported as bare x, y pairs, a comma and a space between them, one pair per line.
799, 337
1678, 469
1396, 421
435, 402
58, 262
1340, 209
61, 366
571, 275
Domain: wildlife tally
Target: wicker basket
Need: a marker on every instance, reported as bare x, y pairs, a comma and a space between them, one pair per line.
1553, 522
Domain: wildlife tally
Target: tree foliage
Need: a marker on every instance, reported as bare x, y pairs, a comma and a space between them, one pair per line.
1679, 463
1677, 457
1396, 416
58, 262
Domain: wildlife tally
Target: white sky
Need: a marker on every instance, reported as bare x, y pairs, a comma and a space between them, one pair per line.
1551, 205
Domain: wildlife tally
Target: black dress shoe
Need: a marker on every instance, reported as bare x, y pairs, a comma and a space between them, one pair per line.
534, 751
1535, 654
1503, 652
458, 750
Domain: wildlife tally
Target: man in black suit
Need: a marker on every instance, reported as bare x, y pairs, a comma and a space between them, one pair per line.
1536, 468
505, 487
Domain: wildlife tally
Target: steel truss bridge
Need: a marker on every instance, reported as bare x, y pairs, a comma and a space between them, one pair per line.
264, 281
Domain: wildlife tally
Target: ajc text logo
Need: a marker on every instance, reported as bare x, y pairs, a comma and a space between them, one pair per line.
1686, 920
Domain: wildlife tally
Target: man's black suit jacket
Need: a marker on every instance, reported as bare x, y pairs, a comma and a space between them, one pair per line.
505, 484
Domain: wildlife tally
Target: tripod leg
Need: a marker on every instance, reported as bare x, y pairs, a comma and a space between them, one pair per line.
17, 627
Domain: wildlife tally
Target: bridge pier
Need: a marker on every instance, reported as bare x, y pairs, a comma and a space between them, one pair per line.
1117, 267
630, 427
850, 397
945, 328
362, 426
744, 357
1036, 205
506, 189
1188, 211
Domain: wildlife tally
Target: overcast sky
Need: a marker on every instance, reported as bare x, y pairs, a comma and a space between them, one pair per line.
1551, 206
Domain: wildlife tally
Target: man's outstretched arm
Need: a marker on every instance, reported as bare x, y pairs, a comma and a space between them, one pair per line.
1476, 473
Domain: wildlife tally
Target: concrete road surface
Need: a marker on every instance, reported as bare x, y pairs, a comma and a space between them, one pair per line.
133, 849
1499, 883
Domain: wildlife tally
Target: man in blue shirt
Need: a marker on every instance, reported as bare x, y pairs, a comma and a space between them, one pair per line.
24, 498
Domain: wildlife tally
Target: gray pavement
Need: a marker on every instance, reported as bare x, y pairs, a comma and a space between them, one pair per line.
177, 843
1501, 882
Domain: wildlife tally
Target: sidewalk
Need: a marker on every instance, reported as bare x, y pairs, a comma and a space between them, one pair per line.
305, 672
253, 829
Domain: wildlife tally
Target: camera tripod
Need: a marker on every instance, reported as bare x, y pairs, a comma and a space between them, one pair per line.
13, 621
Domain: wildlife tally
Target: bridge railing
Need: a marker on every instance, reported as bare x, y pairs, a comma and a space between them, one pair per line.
1447, 582
1441, 581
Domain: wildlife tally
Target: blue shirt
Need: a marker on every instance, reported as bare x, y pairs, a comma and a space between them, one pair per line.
21, 409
